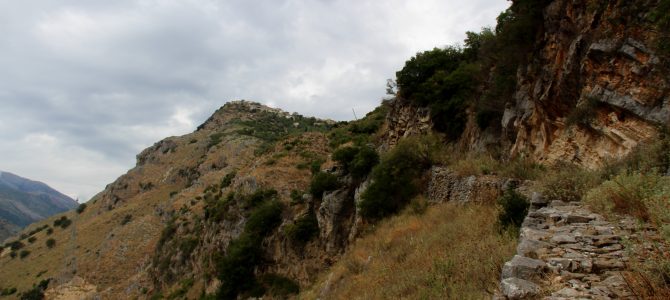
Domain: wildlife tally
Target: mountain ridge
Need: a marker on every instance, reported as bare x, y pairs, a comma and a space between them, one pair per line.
24, 201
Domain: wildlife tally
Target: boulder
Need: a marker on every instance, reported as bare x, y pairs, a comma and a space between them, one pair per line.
515, 288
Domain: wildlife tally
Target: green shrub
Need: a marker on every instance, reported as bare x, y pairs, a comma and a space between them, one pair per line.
522, 168
322, 182
345, 155
279, 286
81, 208
648, 157
359, 131
356, 160
37, 292
513, 209
236, 268
363, 162
394, 180
24, 253
50, 243
63, 222
16, 245
32, 239
228, 179
12, 254
303, 229
315, 166
50, 231
168, 232
567, 182
66, 223
216, 209
8, 291
660, 16
264, 218
215, 139
254, 199
644, 196
296, 197
584, 114
188, 244
487, 117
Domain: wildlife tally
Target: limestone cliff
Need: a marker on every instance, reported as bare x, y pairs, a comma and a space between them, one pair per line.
593, 87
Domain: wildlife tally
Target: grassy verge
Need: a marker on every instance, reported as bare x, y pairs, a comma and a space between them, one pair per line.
449, 252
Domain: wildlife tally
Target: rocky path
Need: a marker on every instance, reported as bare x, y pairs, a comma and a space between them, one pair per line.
567, 252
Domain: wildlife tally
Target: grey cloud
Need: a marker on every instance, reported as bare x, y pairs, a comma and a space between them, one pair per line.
103, 79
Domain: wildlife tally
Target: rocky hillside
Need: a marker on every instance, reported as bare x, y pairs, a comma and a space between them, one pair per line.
259, 202
23, 201
162, 221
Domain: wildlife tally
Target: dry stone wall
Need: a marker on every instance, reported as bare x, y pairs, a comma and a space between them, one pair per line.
567, 252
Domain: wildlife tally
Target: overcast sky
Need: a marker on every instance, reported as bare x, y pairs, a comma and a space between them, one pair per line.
86, 85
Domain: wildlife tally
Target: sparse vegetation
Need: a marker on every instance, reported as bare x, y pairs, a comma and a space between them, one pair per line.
451, 251
360, 131
567, 182
32, 239
24, 253
50, 243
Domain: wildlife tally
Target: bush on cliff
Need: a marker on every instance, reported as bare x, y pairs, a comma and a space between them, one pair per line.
322, 182
397, 178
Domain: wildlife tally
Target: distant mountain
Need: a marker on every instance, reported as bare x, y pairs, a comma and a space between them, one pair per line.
24, 201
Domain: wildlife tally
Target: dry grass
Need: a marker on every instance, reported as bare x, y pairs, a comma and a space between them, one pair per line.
450, 252
475, 164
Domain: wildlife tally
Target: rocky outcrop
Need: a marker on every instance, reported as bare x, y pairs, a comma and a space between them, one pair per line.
587, 55
405, 119
445, 185
75, 289
565, 252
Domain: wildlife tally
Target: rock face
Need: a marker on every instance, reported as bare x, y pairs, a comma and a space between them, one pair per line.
445, 185
405, 119
566, 251
588, 62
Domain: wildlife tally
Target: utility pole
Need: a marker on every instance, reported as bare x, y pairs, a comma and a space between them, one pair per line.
355, 118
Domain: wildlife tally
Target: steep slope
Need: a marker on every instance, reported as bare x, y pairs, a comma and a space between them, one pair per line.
23, 201
114, 244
